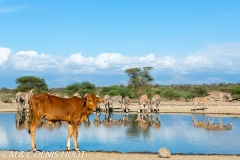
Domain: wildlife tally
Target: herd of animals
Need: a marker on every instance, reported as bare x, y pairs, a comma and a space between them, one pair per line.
76, 109
145, 104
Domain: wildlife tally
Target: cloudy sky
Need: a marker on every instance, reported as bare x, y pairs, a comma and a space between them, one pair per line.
186, 42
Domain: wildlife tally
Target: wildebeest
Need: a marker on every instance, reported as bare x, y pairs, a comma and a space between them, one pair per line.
142, 100
22, 98
73, 110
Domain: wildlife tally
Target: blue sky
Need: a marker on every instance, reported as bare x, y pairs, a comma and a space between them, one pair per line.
186, 42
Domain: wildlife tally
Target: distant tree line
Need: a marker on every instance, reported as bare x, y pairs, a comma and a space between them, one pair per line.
140, 82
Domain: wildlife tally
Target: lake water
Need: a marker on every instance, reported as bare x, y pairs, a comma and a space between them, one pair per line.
122, 133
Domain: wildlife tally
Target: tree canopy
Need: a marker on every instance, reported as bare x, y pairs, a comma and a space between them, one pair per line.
115, 90
27, 83
140, 80
80, 88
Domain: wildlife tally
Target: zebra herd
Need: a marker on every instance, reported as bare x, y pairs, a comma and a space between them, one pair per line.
145, 104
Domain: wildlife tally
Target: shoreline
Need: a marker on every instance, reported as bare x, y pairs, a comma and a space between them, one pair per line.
214, 110
99, 155
232, 110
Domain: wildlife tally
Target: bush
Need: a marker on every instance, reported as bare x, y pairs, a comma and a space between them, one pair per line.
188, 96
6, 100
199, 91
80, 88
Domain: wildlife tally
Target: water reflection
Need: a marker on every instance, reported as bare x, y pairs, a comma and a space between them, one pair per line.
128, 133
22, 120
97, 120
110, 119
219, 126
146, 120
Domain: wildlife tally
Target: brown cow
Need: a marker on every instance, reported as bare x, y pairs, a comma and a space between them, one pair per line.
73, 110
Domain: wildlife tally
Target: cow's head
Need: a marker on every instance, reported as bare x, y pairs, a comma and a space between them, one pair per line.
91, 101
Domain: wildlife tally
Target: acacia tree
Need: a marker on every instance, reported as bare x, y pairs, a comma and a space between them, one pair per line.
140, 80
27, 83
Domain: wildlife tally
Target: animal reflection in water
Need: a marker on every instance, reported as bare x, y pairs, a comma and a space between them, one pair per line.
210, 125
146, 120
110, 121
22, 121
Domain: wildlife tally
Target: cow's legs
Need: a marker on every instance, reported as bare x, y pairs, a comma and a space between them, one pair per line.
70, 132
32, 130
75, 134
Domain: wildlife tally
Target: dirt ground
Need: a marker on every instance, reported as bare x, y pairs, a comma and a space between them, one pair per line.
225, 109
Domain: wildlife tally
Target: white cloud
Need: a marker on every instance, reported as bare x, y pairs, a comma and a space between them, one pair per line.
31, 60
4, 54
197, 62
221, 58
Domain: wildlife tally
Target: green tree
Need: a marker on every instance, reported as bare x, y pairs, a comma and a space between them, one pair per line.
140, 80
199, 91
235, 91
115, 90
170, 94
27, 83
81, 88
72, 88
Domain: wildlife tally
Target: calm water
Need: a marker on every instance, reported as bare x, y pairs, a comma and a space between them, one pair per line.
176, 132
